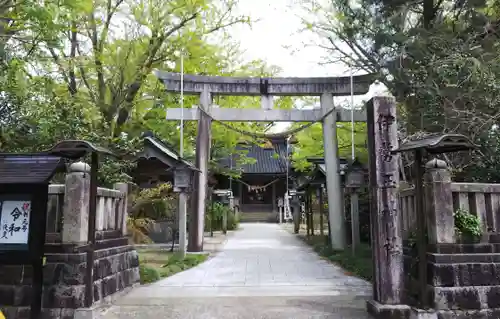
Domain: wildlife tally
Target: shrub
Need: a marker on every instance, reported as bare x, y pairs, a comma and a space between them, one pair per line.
215, 214
148, 274
233, 221
467, 224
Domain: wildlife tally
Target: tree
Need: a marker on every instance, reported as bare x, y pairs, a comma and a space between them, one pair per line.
105, 50
440, 59
310, 144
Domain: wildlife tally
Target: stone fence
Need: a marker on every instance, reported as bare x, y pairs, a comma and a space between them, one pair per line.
67, 214
67, 286
463, 276
482, 200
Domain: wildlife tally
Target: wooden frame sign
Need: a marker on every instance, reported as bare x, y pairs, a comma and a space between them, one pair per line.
24, 186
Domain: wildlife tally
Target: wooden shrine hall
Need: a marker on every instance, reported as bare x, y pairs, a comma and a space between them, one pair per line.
261, 183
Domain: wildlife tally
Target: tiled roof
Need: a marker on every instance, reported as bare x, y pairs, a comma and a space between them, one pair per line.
267, 160
28, 168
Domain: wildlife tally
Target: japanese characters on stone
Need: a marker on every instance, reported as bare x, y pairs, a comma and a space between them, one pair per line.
14, 222
386, 175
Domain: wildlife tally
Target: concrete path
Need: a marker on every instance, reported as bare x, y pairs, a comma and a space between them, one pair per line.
262, 272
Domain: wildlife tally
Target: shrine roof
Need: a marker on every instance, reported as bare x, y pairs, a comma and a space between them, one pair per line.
75, 149
268, 160
28, 168
317, 176
156, 162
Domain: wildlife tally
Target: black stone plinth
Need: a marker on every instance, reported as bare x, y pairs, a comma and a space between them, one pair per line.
381, 311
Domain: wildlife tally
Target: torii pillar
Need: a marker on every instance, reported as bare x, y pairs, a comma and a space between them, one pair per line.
200, 194
326, 88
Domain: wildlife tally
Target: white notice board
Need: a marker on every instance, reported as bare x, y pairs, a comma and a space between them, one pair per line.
14, 221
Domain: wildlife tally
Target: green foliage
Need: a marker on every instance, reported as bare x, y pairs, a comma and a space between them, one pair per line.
359, 265
440, 59
233, 221
156, 264
154, 203
310, 144
215, 212
467, 224
69, 73
137, 228
148, 274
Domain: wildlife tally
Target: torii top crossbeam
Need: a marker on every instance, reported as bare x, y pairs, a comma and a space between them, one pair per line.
223, 85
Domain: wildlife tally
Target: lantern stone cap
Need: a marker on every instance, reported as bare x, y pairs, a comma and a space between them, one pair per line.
79, 167
438, 143
75, 149
355, 165
436, 163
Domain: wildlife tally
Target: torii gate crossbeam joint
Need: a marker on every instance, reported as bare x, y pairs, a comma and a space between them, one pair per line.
208, 86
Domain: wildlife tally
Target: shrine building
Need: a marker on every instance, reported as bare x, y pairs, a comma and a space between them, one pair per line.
261, 183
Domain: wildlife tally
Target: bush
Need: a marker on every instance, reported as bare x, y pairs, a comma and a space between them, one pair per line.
215, 214
148, 274
175, 264
151, 268
233, 221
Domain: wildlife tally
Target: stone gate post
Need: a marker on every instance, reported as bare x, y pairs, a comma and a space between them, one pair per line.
439, 203
76, 204
385, 213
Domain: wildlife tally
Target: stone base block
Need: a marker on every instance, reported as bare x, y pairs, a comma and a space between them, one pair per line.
416, 313
98, 310
469, 314
381, 311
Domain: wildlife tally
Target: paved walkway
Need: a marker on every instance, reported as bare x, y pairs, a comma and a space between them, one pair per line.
262, 271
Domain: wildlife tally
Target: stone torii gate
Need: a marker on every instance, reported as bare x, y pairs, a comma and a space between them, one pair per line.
208, 86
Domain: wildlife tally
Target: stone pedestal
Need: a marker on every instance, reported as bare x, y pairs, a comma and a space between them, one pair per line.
76, 204
439, 203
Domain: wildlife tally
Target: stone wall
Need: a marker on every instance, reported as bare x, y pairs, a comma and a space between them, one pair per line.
464, 280
64, 282
116, 263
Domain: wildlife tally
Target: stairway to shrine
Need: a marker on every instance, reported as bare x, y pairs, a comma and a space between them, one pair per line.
257, 217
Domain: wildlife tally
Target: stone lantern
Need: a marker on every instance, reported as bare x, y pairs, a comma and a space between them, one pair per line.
183, 179
355, 179
355, 175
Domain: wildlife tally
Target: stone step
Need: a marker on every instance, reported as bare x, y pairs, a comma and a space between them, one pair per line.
256, 217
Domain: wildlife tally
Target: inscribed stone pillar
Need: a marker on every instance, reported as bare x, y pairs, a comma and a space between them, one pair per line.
439, 203
385, 214
200, 194
123, 208
334, 190
76, 204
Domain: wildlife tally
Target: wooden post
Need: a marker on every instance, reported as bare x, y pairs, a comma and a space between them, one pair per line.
306, 212
295, 205
311, 211
183, 199
319, 195
224, 221
273, 189
385, 214
421, 229
355, 240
